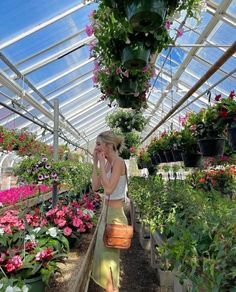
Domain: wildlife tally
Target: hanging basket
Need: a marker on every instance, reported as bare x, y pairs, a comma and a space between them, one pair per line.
232, 137
177, 155
129, 101
169, 156
36, 284
135, 56
146, 15
192, 159
127, 86
212, 146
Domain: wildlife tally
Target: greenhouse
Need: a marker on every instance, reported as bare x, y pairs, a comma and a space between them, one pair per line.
118, 145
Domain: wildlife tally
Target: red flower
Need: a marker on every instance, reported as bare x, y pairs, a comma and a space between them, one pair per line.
223, 113
202, 180
217, 97
232, 94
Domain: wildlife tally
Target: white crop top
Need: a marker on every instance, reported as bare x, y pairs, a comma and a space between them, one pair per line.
120, 190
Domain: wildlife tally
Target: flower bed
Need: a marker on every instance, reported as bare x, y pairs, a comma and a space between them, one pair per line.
13, 195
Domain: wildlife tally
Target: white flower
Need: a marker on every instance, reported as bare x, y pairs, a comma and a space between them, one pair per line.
30, 237
1, 231
9, 289
52, 232
36, 230
1, 204
25, 288
90, 212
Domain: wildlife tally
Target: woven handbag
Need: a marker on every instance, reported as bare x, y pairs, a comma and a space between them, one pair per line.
117, 235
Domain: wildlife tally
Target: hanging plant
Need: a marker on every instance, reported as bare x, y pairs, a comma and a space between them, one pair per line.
126, 120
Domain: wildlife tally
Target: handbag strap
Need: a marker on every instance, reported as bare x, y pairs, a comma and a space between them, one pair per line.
109, 196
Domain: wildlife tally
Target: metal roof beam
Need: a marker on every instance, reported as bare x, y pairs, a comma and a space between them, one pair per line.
41, 26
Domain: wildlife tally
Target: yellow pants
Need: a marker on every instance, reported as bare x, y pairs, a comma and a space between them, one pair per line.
106, 259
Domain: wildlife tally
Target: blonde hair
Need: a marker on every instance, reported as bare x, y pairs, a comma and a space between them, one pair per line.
111, 138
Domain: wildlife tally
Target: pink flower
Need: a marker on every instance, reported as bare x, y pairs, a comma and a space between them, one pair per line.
179, 32
61, 222
91, 14
92, 45
126, 73
77, 222
168, 24
67, 231
96, 66
95, 79
44, 254
145, 68
89, 30
14, 263
118, 71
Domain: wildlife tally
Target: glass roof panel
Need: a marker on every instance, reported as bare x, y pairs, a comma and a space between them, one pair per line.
232, 9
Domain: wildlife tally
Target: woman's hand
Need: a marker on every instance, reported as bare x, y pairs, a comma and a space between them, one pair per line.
95, 158
101, 158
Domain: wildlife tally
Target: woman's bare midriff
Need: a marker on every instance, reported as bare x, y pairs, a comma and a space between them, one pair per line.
114, 203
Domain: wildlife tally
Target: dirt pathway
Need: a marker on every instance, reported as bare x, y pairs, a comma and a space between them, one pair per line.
137, 275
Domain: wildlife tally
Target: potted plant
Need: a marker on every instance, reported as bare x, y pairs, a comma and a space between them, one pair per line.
189, 147
226, 108
143, 159
126, 120
208, 128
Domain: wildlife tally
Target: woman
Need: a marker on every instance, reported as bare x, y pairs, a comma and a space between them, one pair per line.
112, 177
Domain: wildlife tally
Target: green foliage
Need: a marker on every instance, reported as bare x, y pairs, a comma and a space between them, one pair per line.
126, 120
198, 229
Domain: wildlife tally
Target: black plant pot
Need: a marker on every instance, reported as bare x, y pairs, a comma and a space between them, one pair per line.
192, 159
212, 146
232, 137
169, 156
162, 156
177, 155
155, 159
128, 86
146, 15
142, 165
152, 170
135, 56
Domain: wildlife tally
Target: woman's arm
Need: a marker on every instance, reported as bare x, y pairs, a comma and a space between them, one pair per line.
96, 179
109, 183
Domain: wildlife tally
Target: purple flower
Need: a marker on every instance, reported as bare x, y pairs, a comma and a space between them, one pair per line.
89, 30
40, 177
54, 175
46, 176
44, 159
47, 166
63, 169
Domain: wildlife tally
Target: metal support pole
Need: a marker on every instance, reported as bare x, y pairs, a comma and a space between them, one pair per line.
201, 81
55, 147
